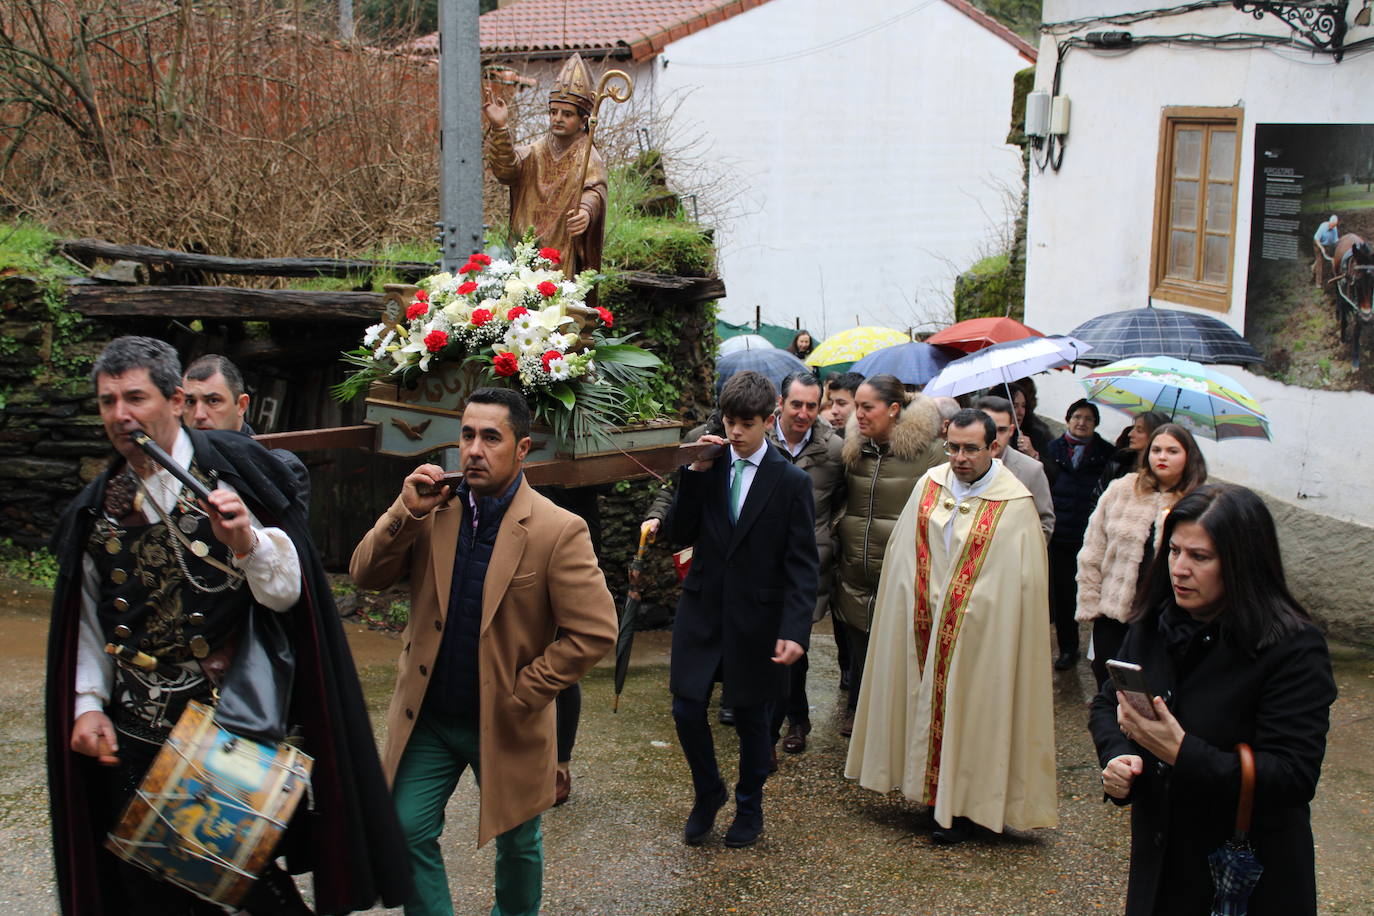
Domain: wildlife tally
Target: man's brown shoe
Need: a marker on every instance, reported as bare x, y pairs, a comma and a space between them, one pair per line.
847, 725
795, 741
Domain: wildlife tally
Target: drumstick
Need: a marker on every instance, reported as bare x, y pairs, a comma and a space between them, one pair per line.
155, 452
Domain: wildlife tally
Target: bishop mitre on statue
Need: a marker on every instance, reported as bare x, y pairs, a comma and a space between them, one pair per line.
548, 191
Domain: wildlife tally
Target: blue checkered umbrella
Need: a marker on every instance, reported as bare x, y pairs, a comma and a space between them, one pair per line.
1163, 332
911, 363
1235, 869
773, 364
1235, 872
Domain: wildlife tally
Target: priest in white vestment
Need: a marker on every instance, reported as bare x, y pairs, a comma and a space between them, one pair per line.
956, 708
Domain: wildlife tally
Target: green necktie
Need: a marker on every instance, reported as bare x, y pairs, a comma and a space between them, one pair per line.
737, 487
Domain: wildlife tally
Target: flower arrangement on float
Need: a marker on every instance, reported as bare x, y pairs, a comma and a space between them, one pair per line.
521, 324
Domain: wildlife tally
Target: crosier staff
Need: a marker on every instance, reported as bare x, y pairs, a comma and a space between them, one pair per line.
618, 94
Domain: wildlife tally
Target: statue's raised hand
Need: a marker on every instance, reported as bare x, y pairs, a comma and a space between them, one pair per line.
497, 111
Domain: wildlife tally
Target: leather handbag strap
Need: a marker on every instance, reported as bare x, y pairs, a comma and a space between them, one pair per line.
1245, 805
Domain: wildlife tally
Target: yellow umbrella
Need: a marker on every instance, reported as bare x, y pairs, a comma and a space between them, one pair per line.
854, 344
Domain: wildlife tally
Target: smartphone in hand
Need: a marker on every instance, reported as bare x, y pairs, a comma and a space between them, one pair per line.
1129, 678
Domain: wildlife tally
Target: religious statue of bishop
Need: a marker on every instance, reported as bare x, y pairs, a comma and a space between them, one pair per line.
549, 190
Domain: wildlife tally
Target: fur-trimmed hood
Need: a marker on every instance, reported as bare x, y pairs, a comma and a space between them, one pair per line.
916, 427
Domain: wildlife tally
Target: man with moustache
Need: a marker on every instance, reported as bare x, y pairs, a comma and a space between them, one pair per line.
956, 709
149, 570
508, 607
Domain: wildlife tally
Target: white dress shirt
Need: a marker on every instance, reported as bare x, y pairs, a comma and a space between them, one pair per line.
749, 471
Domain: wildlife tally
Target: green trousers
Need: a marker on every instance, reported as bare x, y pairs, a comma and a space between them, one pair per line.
438, 751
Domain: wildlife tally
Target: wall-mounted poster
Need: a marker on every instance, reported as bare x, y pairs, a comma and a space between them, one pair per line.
1307, 303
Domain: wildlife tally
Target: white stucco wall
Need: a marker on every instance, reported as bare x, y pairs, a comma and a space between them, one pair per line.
857, 178
1090, 224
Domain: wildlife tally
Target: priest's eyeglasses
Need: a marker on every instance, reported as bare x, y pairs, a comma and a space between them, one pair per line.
952, 449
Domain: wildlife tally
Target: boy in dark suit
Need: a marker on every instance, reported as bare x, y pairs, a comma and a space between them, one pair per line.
745, 611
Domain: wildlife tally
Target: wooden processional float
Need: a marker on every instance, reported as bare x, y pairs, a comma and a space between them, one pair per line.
414, 422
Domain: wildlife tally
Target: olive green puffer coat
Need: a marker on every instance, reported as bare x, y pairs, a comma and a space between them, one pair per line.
879, 480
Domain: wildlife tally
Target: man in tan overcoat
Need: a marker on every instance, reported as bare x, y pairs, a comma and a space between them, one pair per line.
508, 607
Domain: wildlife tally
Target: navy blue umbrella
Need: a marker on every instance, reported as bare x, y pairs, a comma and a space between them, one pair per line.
773, 364
912, 363
1163, 332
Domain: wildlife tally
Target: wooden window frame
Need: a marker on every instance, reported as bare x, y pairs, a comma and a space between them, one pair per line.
1190, 292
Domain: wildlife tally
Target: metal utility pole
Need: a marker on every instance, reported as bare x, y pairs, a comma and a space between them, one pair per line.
460, 133
346, 20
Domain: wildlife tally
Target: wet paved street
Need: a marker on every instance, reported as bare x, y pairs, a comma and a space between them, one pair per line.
830, 848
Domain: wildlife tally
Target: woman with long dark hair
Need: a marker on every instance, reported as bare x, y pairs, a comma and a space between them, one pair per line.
802, 345
1129, 445
1123, 534
1229, 656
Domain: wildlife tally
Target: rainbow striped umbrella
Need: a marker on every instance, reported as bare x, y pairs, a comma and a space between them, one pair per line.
1196, 397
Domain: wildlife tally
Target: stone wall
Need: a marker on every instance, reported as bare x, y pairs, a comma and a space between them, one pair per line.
1326, 563
51, 439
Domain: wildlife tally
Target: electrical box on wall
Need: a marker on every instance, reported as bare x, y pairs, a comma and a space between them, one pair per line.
1038, 113
1059, 116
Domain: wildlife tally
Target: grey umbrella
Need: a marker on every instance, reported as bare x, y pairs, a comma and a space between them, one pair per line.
1163, 332
773, 364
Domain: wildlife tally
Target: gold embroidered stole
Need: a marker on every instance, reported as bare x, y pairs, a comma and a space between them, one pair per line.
921, 613
956, 599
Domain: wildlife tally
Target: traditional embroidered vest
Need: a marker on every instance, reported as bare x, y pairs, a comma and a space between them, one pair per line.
158, 594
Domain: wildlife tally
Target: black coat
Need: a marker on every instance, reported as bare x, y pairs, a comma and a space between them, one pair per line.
751, 583
351, 840
1277, 702
1074, 489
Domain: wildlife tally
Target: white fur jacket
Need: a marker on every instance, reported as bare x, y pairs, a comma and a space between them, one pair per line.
1109, 563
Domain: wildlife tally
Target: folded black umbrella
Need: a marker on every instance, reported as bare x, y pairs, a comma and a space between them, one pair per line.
629, 616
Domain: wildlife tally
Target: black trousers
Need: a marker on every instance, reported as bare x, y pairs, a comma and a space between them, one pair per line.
698, 746
1064, 593
1108, 635
858, 653
797, 709
567, 713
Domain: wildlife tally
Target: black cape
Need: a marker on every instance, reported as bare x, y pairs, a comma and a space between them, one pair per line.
351, 840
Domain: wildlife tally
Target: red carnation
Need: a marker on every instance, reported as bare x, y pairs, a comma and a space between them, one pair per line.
548, 357
479, 258
436, 341
547, 288
516, 312
506, 364
465, 288
416, 310
480, 317
422, 295
550, 254
469, 267
606, 317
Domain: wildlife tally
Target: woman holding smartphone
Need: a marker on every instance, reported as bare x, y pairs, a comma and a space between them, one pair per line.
1123, 534
1229, 656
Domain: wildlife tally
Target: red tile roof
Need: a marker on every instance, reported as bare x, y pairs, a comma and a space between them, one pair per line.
638, 29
